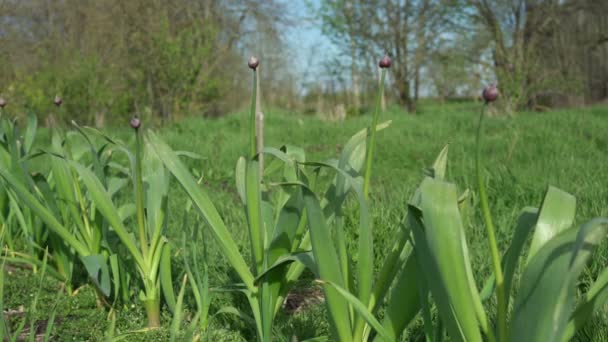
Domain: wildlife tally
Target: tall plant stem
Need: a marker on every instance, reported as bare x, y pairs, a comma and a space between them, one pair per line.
139, 194
259, 125
153, 312
372, 138
252, 144
485, 208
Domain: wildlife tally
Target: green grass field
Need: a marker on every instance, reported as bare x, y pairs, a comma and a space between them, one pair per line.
522, 155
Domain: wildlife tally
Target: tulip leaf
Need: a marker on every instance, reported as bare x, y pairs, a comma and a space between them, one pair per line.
305, 258
403, 299
166, 281
443, 256
547, 291
329, 269
525, 225
556, 215
98, 271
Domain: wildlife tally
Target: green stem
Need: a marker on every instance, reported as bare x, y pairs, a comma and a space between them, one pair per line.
483, 198
153, 312
252, 146
372, 138
139, 195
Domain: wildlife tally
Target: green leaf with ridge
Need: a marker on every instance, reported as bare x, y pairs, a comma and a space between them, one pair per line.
556, 215
547, 291
97, 268
443, 256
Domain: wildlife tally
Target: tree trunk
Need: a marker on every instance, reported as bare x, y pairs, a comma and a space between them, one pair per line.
100, 118
320, 107
420, 49
166, 115
405, 96
416, 88
349, 14
355, 76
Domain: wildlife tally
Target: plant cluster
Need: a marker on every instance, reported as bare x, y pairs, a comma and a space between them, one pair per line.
98, 214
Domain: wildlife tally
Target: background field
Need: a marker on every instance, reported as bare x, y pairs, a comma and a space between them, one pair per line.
522, 156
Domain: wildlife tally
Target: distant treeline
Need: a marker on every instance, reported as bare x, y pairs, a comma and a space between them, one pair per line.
110, 59
541, 53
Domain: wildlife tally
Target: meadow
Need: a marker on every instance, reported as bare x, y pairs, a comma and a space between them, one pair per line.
522, 155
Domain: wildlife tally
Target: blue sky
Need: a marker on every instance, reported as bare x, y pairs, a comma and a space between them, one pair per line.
307, 43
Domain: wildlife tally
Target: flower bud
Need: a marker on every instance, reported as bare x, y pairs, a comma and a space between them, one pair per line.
253, 63
135, 122
385, 62
57, 101
490, 93
2, 102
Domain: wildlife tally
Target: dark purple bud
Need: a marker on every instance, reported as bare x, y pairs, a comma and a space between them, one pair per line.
2, 102
490, 93
253, 62
385, 62
57, 101
135, 122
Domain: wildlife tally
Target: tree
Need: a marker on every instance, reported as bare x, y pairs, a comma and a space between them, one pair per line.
540, 48
404, 29
110, 59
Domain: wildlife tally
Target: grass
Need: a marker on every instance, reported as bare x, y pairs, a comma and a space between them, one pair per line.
521, 155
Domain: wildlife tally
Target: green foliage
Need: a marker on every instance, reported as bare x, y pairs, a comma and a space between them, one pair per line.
372, 291
273, 225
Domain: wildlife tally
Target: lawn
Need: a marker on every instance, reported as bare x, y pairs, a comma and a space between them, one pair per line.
522, 155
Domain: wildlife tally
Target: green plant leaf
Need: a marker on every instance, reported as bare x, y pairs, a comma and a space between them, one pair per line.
157, 180
230, 310
126, 210
25, 259
547, 292
595, 299
65, 183
391, 266
97, 268
443, 256
115, 184
115, 268
365, 257
201, 200
30, 132
166, 280
104, 204
439, 169
41, 211
289, 219
403, 300
329, 267
178, 311
556, 215
241, 167
305, 258
355, 148
95, 154
361, 309
525, 224
257, 233
188, 154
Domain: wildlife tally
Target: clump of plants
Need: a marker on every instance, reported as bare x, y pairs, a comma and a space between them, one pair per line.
74, 213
